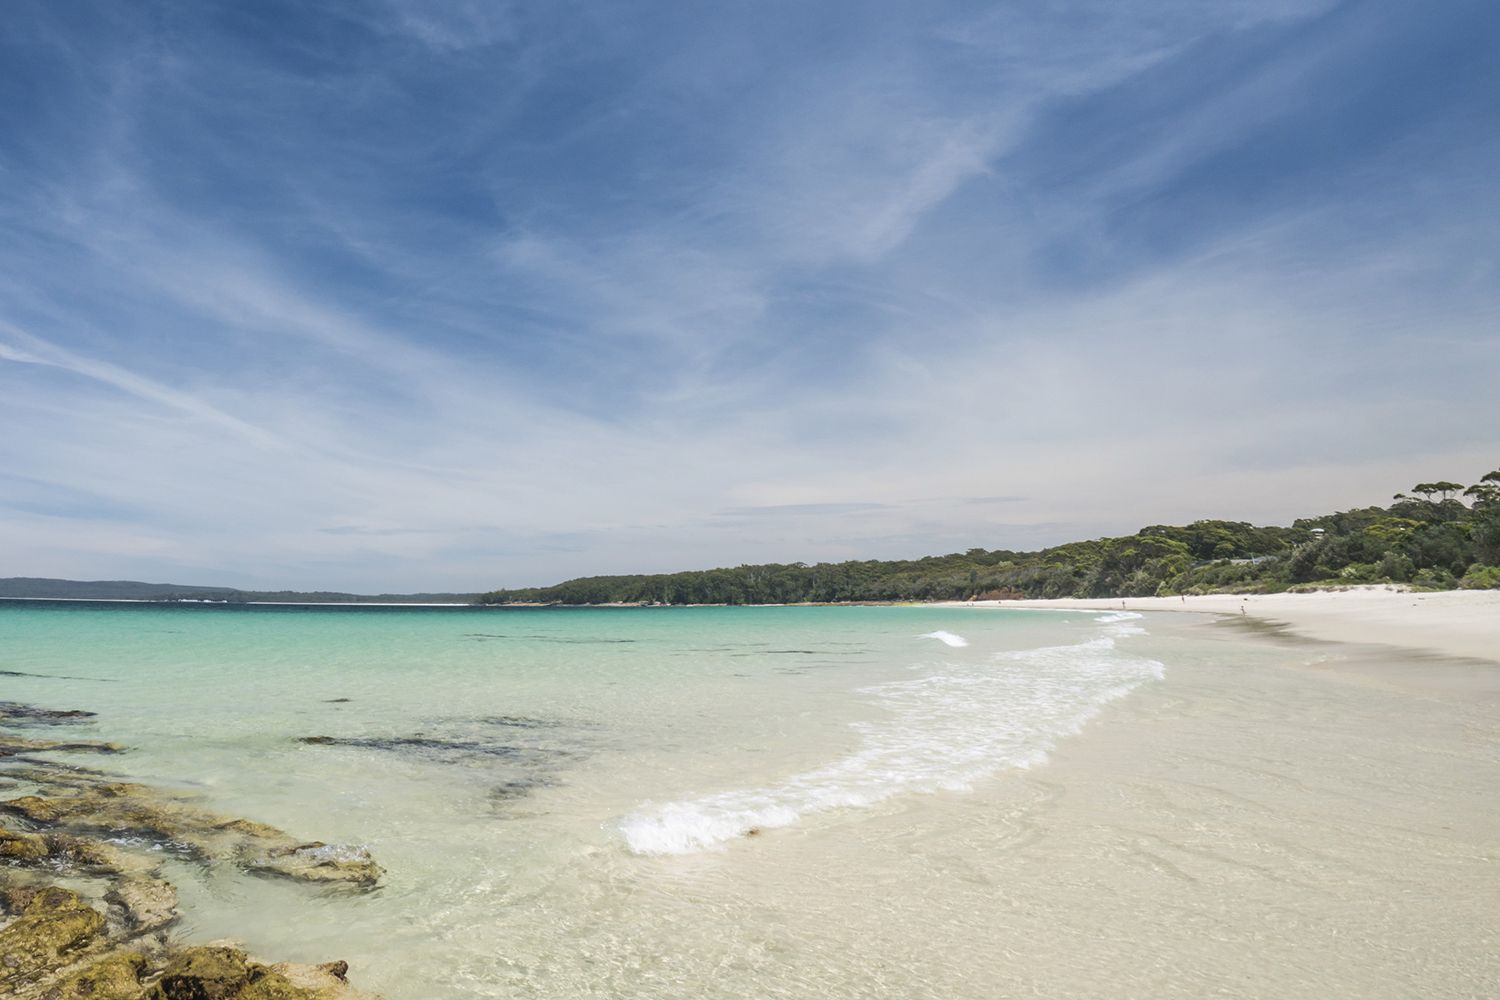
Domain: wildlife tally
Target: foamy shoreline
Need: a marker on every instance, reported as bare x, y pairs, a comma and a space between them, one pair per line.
1464, 623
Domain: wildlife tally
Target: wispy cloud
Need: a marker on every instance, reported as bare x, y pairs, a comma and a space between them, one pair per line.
394, 295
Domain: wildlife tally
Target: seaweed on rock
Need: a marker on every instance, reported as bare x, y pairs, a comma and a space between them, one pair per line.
57, 945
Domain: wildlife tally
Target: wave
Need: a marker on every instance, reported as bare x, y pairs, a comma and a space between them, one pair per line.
947, 638
942, 732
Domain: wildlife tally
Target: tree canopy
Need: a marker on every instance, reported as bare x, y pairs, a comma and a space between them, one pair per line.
1428, 538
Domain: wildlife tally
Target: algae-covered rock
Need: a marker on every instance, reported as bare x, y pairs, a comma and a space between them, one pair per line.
116, 976
96, 857
11, 745
53, 925
53, 849
22, 846
36, 808
203, 973
219, 972
319, 862
55, 946
122, 807
147, 904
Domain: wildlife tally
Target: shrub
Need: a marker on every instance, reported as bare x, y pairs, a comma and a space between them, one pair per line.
1397, 566
1434, 579
1481, 578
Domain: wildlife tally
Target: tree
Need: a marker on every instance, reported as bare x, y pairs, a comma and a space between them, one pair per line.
1486, 492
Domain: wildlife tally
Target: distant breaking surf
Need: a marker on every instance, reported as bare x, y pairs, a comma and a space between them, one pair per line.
947, 638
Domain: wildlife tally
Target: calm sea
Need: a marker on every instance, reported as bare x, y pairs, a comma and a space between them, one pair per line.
562, 797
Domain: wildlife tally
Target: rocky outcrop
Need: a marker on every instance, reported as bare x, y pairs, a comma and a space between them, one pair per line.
51, 925
58, 947
115, 976
124, 807
58, 944
227, 973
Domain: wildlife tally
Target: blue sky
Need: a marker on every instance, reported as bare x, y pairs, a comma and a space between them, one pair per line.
461, 294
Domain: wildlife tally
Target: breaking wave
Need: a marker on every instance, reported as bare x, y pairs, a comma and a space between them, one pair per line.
943, 731
946, 638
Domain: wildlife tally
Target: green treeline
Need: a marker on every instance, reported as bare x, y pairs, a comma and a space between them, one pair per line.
1439, 536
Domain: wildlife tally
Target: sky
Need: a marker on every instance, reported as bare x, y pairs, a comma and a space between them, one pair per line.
458, 294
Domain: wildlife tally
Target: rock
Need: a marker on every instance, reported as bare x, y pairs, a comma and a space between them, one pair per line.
122, 807
204, 973
116, 976
22, 846
338, 970
53, 925
217, 972
14, 711
90, 856
442, 749
12, 745
49, 774
15, 898
97, 857
319, 862
147, 904
35, 808
55, 946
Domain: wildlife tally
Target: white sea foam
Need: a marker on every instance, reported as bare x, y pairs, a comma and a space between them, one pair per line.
947, 638
943, 731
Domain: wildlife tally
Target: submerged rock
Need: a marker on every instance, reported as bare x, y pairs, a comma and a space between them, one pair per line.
319, 862
12, 745
147, 904
15, 712
91, 857
427, 744
123, 807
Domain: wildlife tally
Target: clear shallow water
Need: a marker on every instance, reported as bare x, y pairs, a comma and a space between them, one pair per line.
947, 802
508, 766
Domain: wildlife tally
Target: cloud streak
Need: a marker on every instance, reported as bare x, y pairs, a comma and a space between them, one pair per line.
401, 296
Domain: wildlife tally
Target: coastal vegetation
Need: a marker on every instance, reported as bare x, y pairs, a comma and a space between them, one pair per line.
1437, 536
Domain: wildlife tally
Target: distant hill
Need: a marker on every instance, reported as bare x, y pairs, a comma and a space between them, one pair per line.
132, 590
1438, 537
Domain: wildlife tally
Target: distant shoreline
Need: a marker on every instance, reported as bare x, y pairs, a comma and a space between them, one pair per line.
241, 604
1458, 623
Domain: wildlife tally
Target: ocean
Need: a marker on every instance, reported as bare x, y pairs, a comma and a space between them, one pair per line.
652, 802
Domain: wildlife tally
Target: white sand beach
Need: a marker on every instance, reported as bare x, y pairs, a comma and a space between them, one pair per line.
1463, 623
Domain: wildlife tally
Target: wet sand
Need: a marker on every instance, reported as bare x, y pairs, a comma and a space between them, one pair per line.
1276, 819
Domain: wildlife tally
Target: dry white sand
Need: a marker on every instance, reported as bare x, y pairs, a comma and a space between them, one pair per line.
1453, 623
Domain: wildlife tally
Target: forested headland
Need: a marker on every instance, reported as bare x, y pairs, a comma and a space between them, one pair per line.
1438, 536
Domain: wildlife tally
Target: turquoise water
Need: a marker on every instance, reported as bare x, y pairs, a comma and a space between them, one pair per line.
536, 781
